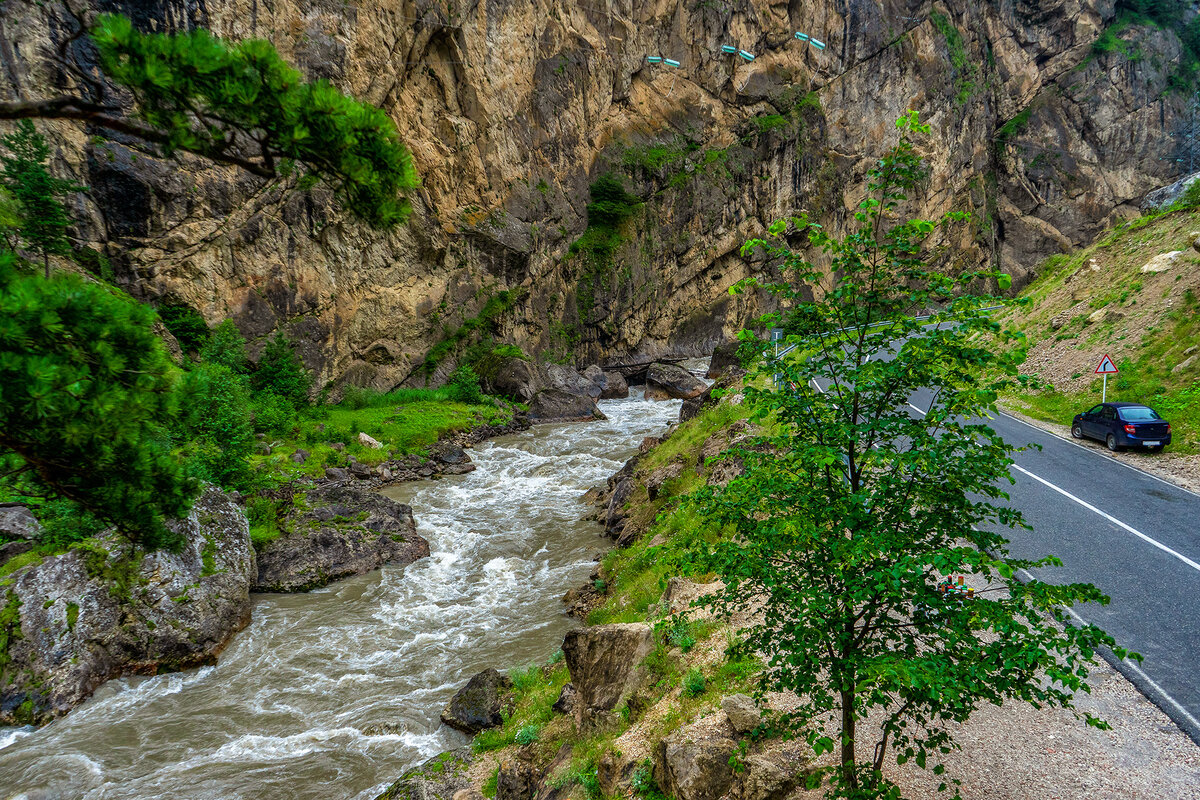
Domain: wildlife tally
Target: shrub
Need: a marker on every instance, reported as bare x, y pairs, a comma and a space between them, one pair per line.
693, 682
525, 678
274, 415
279, 371
464, 386
186, 325
215, 425
226, 346
528, 734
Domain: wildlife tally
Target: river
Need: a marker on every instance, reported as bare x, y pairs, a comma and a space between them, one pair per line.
282, 714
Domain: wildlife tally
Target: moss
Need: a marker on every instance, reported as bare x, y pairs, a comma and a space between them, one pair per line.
10, 631
118, 574
208, 557
72, 616
17, 562
965, 70
494, 308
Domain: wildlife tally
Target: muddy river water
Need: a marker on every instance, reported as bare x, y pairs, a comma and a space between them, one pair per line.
282, 714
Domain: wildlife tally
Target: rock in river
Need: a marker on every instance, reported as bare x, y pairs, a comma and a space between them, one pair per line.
342, 531
477, 706
104, 609
672, 381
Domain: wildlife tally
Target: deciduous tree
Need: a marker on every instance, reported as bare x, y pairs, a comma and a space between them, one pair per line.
855, 511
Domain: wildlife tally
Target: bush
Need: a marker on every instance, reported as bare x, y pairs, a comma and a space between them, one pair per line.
186, 325
464, 386
693, 682
528, 734
226, 346
274, 415
215, 425
526, 678
64, 523
279, 371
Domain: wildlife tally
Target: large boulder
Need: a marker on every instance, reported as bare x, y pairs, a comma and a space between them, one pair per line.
341, 531
477, 706
615, 386
598, 378
693, 763
567, 379
555, 405
510, 376
18, 522
439, 778
673, 381
724, 356
105, 609
605, 664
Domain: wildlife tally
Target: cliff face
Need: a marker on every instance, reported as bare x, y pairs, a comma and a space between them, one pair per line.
513, 108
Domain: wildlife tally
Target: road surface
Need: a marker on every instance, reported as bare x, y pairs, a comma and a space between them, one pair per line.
1134, 536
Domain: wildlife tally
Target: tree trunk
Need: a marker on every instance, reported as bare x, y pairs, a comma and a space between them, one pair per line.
46, 262
848, 720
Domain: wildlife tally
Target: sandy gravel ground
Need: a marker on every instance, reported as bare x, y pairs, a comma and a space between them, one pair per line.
1183, 471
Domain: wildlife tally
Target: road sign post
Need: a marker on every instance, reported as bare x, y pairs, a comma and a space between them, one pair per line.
1106, 367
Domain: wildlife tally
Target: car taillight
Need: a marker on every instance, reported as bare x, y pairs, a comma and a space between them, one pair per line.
1168, 427
1130, 429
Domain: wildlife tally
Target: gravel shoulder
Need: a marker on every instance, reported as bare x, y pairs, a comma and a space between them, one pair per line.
1183, 471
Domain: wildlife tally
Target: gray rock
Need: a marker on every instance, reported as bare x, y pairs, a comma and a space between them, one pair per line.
337, 474
605, 664
338, 446
343, 531
299, 456
78, 629
724, 356
565, 704
369, 441
442, 777
597, 377
509, 376
615, 386
555, 405
18, 522
658, 477
567, 379
10, 550
1183, 365
517, 779
477, 706
673, 381
1167, 195
361, 471
770, 776
614, 519
262, 449
691, 764
732, 376
743, 714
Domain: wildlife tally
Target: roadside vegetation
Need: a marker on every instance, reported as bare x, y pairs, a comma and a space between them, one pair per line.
1099, 301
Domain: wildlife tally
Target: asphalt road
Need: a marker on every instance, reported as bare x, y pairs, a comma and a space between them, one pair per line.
1131, 534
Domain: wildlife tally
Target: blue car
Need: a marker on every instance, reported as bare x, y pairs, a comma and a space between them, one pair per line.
1123, 425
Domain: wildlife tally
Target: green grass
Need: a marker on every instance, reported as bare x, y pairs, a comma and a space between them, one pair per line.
17, 562
534, 691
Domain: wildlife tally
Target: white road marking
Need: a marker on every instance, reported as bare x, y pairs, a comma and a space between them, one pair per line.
1104, 514
1110, 518
1183, 712
1099, 454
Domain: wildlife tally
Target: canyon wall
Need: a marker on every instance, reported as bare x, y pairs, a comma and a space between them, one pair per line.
513, 108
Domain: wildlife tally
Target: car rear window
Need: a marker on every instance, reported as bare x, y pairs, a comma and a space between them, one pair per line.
1138, 414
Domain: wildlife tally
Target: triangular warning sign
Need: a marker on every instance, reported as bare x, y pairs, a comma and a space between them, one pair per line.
1107, 367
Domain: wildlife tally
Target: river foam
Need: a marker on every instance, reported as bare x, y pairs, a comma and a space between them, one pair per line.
283, 712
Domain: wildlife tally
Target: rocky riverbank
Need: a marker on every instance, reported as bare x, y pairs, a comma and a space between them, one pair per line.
103, 609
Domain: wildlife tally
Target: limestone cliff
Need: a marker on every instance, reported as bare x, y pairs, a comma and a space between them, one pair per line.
514, 107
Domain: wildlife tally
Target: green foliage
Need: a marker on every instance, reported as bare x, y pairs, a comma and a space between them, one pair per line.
851, 510
263, 514
694, 682
86, 395
1190, 198
10, 630
463, 386
225, 346
1172, 15
214, 425
1013, 128
186, 325
65, 523
528, 734
523, 680
610, 207
202, 94
965, 70
43, 221
280, 372
496, 306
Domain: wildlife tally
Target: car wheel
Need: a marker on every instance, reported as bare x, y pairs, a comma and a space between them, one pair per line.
1077, 431
1112, 443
